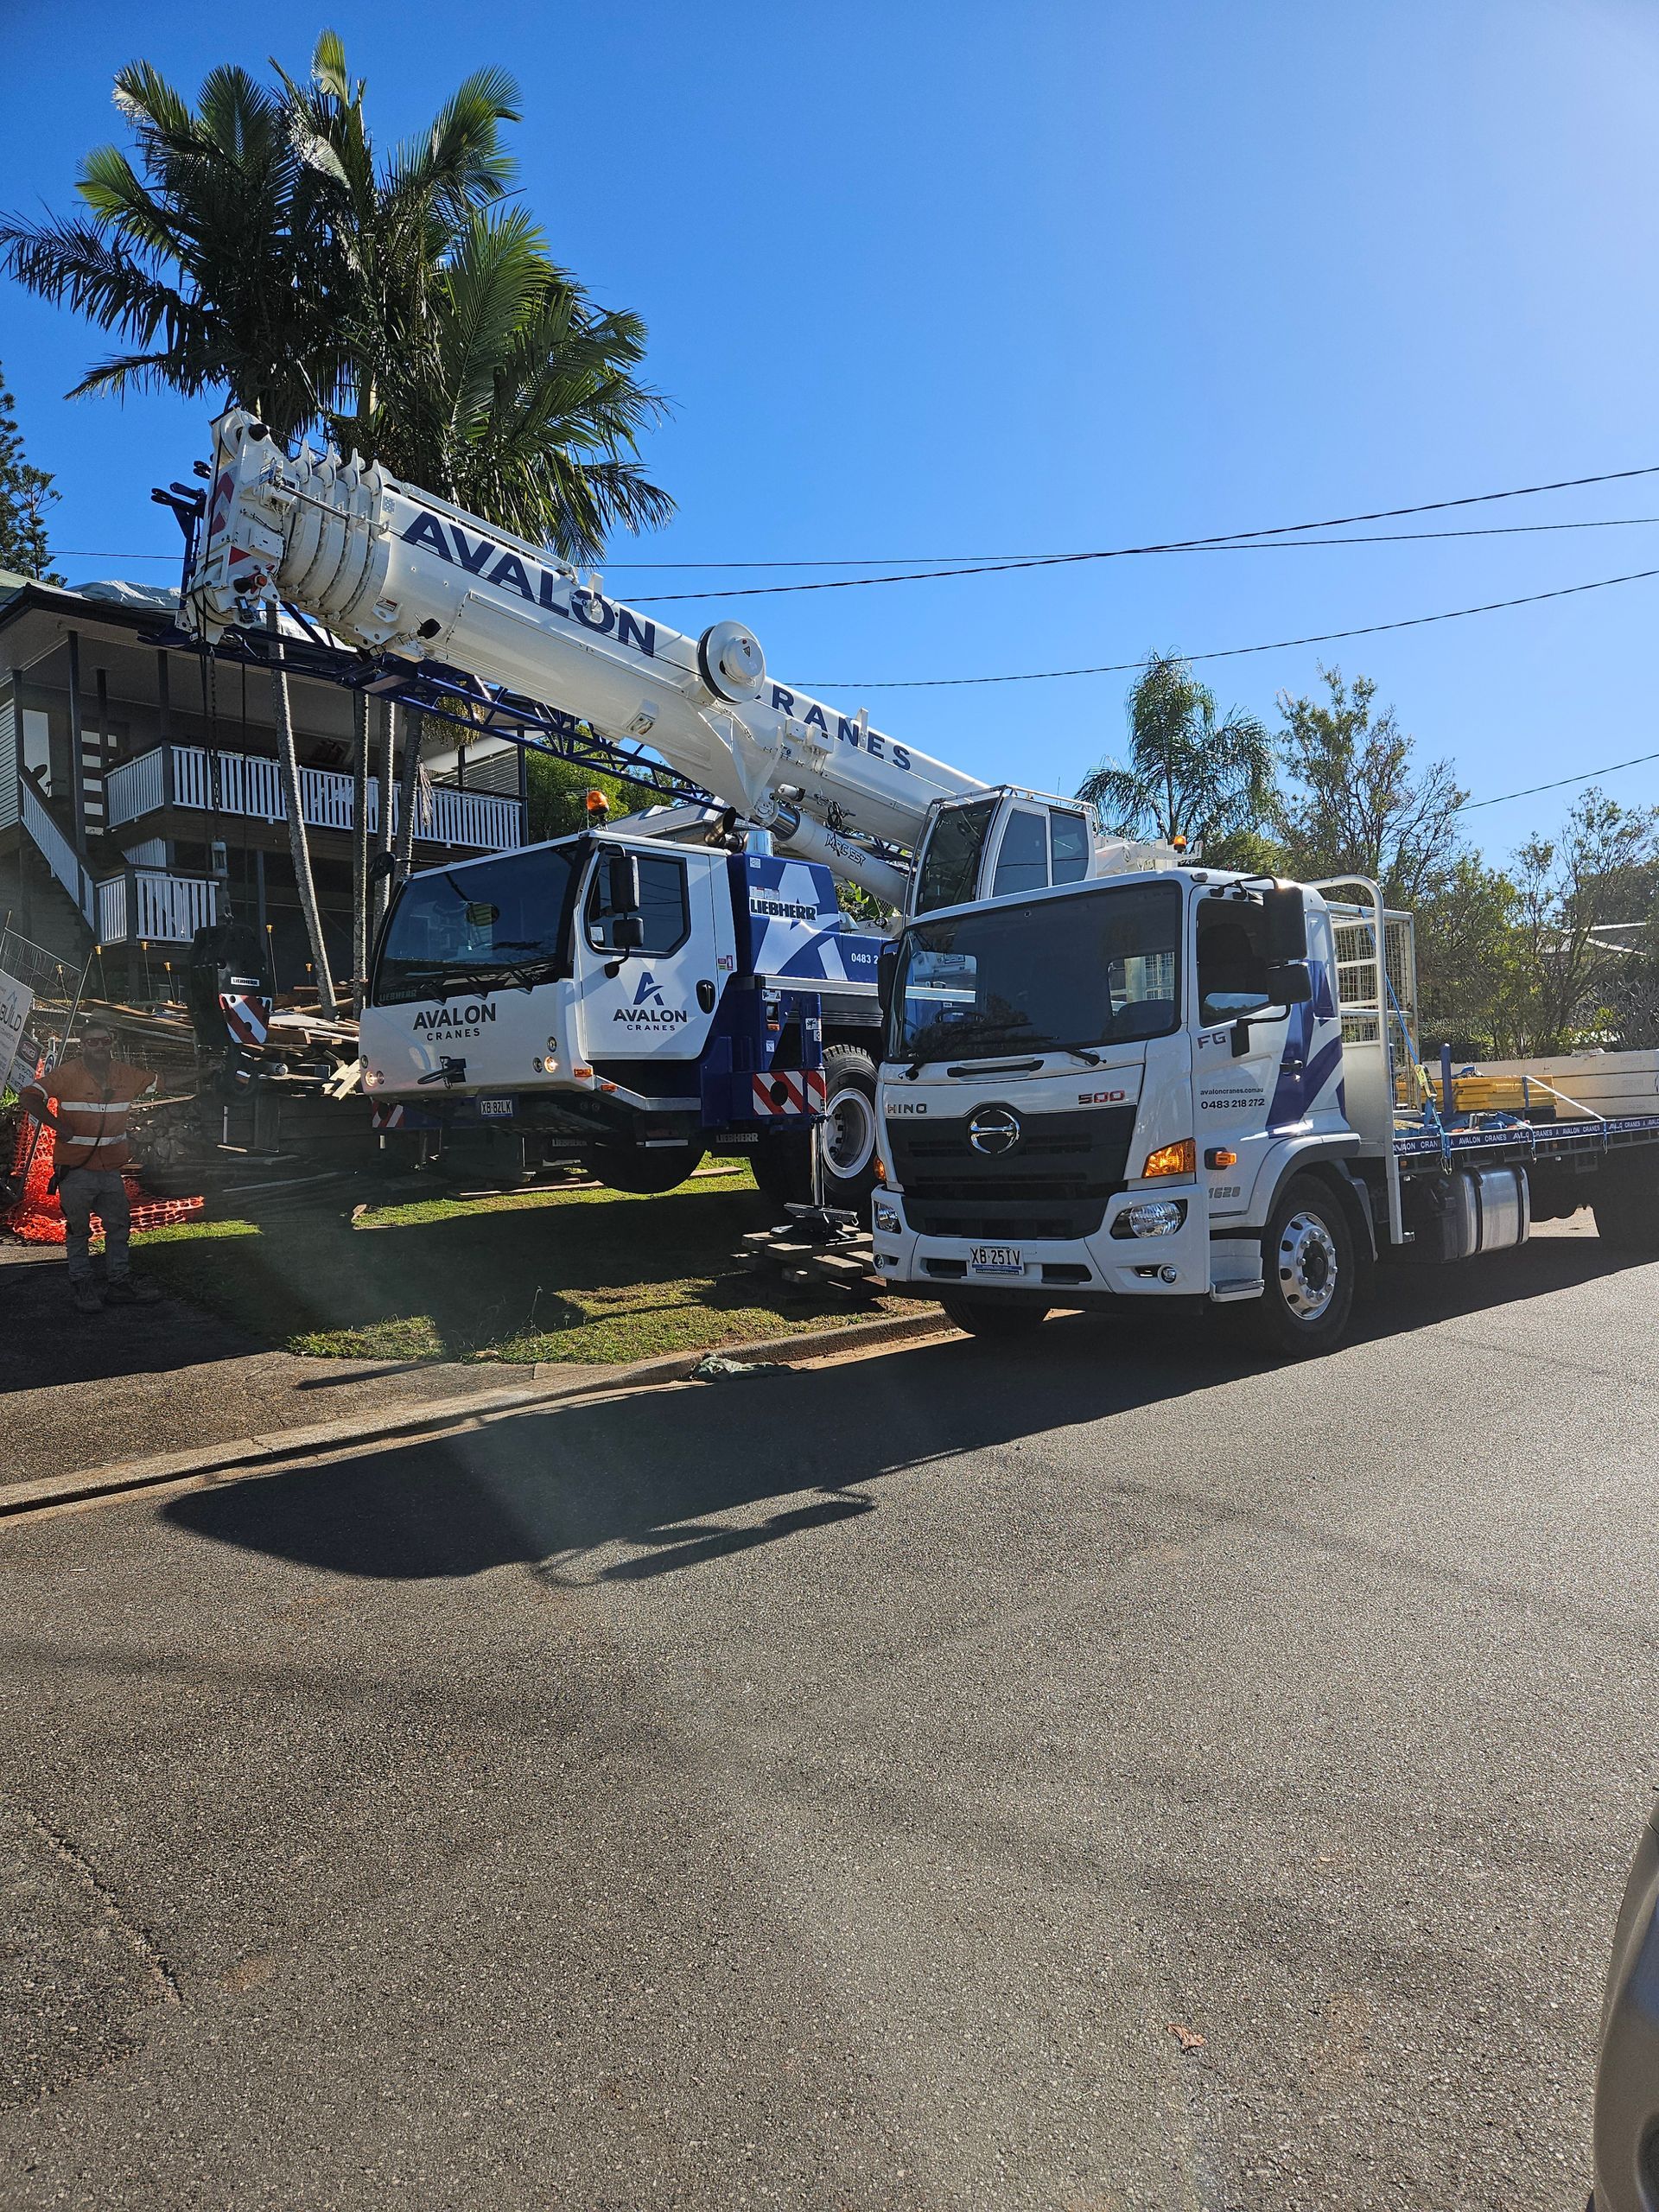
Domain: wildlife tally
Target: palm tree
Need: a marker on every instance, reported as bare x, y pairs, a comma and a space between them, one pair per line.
477, 367
259, 248
213, 261
515, 396
1190, 774
208, 258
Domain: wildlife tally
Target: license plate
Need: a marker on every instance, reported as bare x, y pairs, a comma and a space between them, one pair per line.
996, 1259
495, 1109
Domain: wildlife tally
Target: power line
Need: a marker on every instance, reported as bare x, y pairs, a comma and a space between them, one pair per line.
1201, 545
1207, 545
1225, 652
1169, 545
1560, 783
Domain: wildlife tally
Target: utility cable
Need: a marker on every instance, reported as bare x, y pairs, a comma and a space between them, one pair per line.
818, 684
1168, 545
1561, 784
1206, 545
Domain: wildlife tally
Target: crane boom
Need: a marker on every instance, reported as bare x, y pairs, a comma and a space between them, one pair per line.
393, 570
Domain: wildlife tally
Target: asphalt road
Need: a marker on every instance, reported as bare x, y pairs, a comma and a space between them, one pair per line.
836, 1791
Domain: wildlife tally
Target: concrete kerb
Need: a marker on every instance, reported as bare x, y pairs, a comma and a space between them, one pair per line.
552, 1384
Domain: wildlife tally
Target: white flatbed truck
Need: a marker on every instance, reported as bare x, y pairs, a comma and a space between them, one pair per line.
1188, 1085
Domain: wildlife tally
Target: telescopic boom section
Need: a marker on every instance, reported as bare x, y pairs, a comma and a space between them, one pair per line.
389, 568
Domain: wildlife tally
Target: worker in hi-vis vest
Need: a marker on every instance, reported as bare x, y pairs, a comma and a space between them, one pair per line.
84, 1101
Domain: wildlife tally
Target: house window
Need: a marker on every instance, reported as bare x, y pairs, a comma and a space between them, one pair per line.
37, 747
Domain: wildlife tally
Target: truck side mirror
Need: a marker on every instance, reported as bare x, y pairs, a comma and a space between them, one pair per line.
627, 932
886, 973
622, 883
1285, 917
1290, 983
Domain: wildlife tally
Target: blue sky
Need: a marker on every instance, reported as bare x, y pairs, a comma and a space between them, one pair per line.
937, 279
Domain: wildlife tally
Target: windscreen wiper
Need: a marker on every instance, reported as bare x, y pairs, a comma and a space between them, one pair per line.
522, 977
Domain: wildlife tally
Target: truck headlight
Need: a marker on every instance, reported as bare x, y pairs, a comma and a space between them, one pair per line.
1151, 1217
886, 1217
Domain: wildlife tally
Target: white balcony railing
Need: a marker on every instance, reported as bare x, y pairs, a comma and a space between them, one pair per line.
251, 786
151, 905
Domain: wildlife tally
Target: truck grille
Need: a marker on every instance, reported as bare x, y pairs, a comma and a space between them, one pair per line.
1055, 1183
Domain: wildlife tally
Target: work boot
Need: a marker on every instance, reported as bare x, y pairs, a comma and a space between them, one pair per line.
124, 1291
85, 1298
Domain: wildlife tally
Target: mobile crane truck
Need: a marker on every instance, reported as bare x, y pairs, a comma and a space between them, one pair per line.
1190, 1085
682, 982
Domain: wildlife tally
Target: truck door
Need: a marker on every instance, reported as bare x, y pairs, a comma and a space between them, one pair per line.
655, 1000
1240, 1098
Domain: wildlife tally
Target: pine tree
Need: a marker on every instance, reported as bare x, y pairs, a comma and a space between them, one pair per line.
25, 495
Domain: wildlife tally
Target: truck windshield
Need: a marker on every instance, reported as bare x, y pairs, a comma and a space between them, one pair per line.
501, 921
1051, 974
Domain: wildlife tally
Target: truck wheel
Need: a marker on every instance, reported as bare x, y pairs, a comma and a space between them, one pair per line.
1627, 1212
1308, 1267
982, 1319
644, 1174
849, 1128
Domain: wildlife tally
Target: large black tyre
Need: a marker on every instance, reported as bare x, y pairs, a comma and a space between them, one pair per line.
644, 1174
1626, 1206
1309, 1270
850, 1127
782, 1163
981, 1316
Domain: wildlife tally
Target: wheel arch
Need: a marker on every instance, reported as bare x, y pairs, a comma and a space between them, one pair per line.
1322, 1162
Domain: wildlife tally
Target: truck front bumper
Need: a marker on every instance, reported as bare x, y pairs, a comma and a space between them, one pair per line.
1081, 1271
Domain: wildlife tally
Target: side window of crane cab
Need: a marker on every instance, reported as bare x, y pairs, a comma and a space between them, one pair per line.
663, 908
1022, 860
950, 856
1232, 960
1068, 843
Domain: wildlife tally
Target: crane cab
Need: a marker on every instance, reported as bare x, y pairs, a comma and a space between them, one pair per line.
1007, 843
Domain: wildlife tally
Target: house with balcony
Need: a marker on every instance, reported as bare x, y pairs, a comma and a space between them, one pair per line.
140, 796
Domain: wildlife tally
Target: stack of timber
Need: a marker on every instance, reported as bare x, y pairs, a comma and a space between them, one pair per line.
818, 1247
276, 1118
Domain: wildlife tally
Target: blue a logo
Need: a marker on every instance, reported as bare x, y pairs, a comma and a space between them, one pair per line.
648, 991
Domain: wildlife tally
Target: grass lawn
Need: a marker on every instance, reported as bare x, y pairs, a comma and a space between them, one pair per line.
557, 1274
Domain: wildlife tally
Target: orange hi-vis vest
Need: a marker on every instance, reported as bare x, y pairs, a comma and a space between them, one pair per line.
91, 1111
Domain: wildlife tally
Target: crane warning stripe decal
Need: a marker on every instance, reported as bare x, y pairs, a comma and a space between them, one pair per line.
248, 1019
789, 1091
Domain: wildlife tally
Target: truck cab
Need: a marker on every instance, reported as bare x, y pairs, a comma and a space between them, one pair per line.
623, 1001
1105, 1089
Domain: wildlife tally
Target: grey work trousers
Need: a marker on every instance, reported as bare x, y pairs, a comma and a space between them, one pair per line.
82, 1193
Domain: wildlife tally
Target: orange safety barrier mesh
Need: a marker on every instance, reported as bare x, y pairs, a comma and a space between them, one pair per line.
35, 1216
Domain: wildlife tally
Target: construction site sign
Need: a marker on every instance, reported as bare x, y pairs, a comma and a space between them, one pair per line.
15, 1002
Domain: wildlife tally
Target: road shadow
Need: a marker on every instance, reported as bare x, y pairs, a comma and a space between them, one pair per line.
640, 1486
